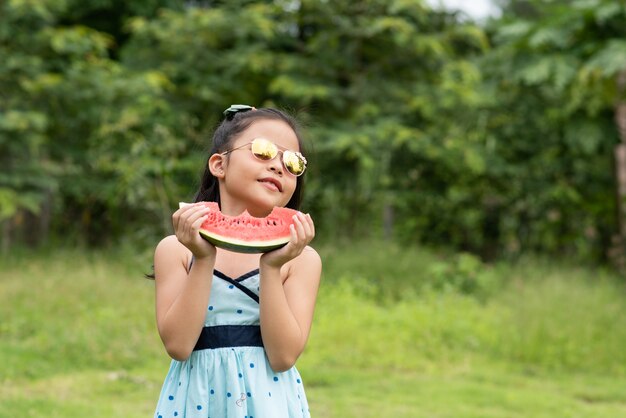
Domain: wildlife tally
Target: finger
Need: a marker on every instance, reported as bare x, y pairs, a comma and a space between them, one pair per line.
195, 226
309, 230
190, 234
175, 220
293, 239
198, 213
299, 228
179, 216
307, 225
310, 223
180, 211
191, 218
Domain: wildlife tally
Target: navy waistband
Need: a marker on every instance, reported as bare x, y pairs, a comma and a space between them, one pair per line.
229, 336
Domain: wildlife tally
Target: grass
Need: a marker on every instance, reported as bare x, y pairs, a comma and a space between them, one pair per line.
398, 332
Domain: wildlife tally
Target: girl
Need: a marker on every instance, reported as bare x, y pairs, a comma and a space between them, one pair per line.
234, 324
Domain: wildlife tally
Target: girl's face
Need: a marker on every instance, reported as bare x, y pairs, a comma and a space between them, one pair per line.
247, 183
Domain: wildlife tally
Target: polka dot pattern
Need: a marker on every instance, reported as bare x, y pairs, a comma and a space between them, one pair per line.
234, 379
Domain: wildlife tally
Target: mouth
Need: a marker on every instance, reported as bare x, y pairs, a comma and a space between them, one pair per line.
272, 183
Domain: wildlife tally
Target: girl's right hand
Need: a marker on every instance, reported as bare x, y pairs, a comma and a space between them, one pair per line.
187, 221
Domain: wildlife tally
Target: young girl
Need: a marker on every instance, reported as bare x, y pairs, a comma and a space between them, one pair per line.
234, 324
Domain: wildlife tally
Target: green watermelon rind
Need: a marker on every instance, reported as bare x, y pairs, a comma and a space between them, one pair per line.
243, 247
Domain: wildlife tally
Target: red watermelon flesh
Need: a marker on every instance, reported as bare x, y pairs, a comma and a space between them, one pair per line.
245, 233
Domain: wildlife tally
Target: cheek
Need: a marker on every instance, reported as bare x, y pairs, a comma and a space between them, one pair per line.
243, 165
291, 185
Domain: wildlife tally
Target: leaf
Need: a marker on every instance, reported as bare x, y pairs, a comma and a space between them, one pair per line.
474, 35
78, 40
302, 89
610, 60
8, 203
560, 70
608, 11
11, 202
20, 121
513, 31
537, 71
546, 37
584, 137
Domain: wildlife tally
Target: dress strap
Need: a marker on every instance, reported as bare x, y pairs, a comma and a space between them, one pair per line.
235, 283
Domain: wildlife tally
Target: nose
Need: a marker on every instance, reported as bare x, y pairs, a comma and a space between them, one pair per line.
276, 165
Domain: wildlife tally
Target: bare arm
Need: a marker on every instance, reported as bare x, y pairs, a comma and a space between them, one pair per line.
181, 296
288, 293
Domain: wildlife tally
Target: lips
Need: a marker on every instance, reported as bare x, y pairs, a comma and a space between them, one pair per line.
272, 181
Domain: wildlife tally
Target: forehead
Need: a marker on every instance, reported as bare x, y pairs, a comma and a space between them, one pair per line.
276, 131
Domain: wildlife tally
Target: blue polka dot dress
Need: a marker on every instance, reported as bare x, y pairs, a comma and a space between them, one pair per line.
228, 374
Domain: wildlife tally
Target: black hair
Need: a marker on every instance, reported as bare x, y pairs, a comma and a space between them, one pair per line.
223, 138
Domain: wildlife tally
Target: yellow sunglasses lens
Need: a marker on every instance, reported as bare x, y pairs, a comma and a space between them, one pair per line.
264, 149
294, 164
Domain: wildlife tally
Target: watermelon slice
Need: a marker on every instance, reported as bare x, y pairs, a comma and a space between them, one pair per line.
246, 233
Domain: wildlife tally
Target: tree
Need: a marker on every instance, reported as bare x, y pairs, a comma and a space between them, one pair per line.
63, 99
555, 70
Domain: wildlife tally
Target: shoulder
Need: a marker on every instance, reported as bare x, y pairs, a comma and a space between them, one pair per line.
170, 251
309, 262
309, 255
169, 244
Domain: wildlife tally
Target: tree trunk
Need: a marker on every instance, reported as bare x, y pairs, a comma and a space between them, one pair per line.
617, 253
166, 210
6, 235
45, 217
388, 221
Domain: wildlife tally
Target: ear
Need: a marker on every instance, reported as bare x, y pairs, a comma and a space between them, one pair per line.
216, 165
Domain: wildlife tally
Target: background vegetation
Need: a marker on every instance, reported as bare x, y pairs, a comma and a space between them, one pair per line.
463, 180
402, 333
424, 126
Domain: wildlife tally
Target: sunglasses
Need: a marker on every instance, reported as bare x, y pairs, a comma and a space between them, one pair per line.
265, 150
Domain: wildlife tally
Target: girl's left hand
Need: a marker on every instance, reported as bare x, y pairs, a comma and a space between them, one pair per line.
302, 233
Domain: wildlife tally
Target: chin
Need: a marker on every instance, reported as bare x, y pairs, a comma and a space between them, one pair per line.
269, 206
262, 209
269, 202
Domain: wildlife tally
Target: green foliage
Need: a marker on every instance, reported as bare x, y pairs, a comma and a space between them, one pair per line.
75, 127
464, 273
426, 271
494, 140
555, 100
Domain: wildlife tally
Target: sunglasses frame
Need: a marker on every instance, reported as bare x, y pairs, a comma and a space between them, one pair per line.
278, 151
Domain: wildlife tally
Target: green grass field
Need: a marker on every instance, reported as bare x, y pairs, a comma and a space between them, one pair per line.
398, 332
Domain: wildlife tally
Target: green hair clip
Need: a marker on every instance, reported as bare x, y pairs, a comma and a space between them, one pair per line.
236, 108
